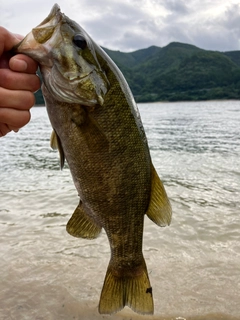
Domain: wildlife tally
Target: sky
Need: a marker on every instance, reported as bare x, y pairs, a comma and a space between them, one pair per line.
129, 25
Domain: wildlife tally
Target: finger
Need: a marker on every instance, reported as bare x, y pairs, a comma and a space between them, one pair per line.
18, 99
19, 37
7, 40
13, 118
4, 60
14, 128
18, 81
23, 63
4, 129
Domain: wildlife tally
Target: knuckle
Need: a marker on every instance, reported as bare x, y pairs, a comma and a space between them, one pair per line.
26, 118
27, 99
36, 83
30, 99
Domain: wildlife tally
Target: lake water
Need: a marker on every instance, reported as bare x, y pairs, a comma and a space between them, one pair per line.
194, 265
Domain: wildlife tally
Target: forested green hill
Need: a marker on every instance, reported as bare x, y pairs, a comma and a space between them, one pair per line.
179, 72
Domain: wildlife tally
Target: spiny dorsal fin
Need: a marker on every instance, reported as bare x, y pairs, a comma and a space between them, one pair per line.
133, 291
81, 225
159, 209
55, 144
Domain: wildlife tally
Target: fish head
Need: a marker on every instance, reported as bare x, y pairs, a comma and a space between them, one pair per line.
67, 58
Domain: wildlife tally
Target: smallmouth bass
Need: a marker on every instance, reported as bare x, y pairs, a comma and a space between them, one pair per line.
98, 130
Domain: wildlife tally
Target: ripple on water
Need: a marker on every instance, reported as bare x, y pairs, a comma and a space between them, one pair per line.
47, 274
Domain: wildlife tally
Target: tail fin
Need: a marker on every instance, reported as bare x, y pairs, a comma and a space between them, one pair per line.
133, 291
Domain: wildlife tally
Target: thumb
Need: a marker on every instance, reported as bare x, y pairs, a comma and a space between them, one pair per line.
8, 40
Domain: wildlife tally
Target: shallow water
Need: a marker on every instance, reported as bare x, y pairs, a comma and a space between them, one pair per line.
194, 265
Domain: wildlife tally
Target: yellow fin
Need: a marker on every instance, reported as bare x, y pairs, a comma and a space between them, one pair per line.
55, 144
81, 225
159, 209
133, 291
53, 141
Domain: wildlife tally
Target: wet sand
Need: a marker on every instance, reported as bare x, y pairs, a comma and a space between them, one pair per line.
65, 287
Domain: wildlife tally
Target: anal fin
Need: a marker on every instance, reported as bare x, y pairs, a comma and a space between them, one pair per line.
81, 225
159, 209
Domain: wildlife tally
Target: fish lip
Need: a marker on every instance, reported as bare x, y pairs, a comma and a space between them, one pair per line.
54, 13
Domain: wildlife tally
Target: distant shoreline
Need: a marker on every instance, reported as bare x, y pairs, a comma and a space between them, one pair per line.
180, 101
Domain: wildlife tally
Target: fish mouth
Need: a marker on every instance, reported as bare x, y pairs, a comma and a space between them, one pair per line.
40, 34
39, 42
54, 13
44, 31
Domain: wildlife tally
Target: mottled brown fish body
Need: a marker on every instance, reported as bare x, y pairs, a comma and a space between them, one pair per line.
98, 130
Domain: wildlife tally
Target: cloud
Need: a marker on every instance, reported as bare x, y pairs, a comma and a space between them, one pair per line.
126, 24
231, 18
179, 7
219, 32
129, 25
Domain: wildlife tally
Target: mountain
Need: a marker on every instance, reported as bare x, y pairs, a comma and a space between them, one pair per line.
179, 72
234, 56
132, 59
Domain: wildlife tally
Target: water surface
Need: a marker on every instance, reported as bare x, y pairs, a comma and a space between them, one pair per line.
193, 264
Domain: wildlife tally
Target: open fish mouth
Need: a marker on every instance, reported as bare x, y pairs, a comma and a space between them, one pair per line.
55, 16
44, 30
43, 34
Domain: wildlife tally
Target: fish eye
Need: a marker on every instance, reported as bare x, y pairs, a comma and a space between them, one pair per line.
79, 41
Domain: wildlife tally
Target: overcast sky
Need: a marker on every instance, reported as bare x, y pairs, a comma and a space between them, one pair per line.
128, 25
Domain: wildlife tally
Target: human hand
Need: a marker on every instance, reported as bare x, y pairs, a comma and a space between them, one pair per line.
18, 81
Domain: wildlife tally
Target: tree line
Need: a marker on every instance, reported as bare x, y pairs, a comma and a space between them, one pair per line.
178, 72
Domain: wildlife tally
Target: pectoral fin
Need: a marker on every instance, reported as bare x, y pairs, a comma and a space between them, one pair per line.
55, 144
159, 209
81, 225
94, 135
90, 130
